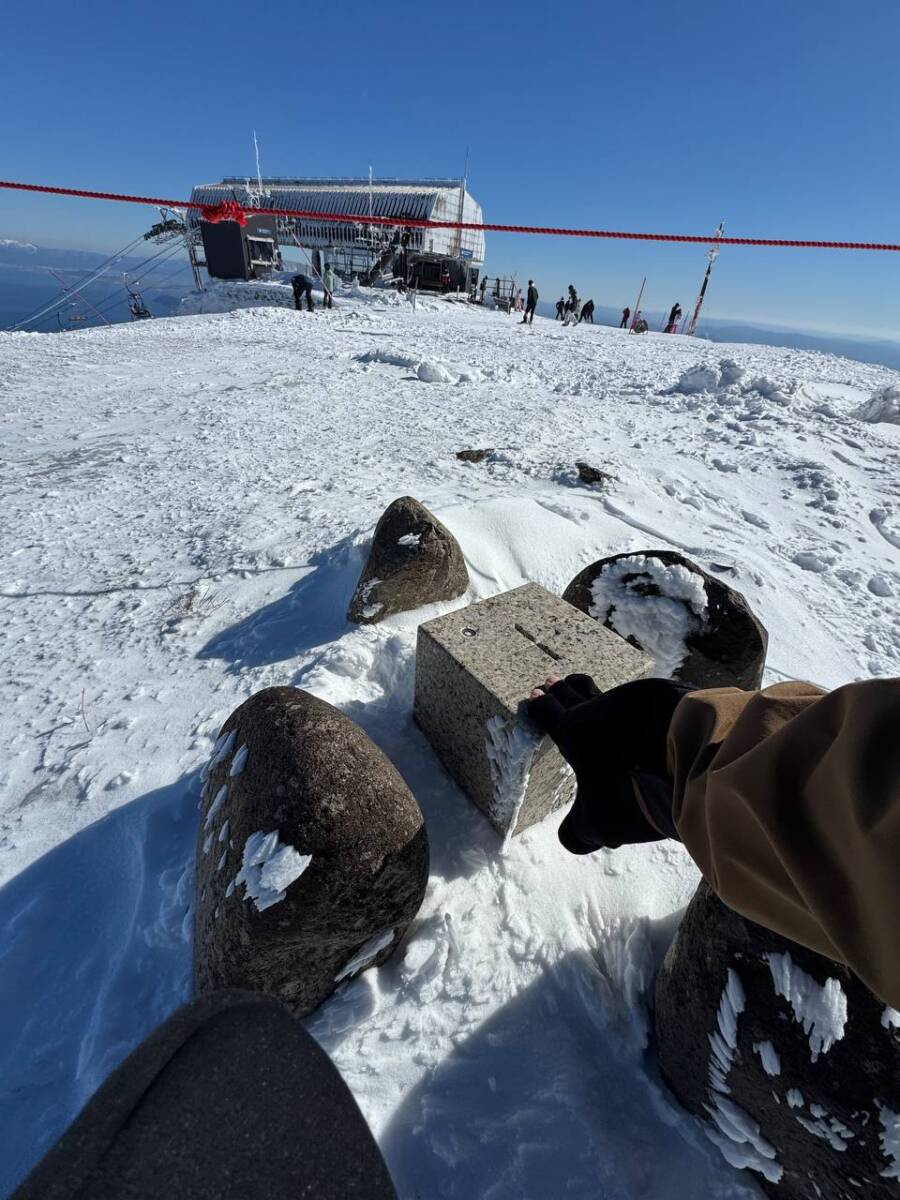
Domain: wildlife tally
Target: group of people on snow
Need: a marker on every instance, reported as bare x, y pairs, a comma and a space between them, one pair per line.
302, 286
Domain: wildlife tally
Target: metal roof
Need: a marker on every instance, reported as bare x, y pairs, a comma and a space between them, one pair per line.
326, 184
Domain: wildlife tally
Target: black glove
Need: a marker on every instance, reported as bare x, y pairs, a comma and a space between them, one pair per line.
612, 741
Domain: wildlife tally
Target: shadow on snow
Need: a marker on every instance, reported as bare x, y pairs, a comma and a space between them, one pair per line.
313, 613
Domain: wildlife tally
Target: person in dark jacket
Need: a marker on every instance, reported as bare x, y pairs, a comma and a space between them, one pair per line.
587, 312
787, 799
530, 303
560, 308
626, 313
302, 285
674, 318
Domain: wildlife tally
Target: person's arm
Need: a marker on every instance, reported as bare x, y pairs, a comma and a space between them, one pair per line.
788, 800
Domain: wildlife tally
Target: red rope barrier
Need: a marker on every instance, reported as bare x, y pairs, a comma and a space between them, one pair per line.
231, 210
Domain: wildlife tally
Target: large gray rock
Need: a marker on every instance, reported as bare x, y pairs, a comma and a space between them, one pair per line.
414, 560
790, 1061
312, 855
725, 648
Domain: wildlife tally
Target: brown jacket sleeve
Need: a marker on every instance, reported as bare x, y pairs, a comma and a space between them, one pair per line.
788, 800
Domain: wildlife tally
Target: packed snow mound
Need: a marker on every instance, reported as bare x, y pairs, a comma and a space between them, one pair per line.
883, 406
184, 502
700, 378
725, 380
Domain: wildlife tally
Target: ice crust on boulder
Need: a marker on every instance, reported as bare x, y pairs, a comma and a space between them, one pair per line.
269, 868
659, 624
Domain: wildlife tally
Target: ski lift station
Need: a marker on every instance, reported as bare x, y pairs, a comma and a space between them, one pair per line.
372, 252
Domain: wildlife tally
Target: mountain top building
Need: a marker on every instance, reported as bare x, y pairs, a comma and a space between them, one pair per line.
394, 252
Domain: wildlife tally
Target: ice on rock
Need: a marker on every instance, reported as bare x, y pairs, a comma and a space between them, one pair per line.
795, 1098
223, 832
239, 762
890, 1019
370, 610
365, 955
221, 749
660, 623
821, 1010
890, 1142
215, 806
409, 539
269, 868
828, 1128
768, 1056
511, 748
733, 1130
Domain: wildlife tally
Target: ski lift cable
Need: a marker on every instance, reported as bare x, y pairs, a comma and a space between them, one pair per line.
63, 296
113, 299
90, 277
168, 251
164, 257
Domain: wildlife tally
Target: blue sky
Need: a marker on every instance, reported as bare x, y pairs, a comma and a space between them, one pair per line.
778, 116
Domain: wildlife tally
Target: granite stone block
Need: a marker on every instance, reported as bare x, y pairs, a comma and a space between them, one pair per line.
474, 671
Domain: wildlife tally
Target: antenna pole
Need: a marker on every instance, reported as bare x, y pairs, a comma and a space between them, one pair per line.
258, 172
637, 307
711, 255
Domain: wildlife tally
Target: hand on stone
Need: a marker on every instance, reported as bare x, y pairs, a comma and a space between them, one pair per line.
614, 741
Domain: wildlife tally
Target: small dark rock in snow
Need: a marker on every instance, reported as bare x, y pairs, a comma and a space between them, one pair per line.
729, 651
592, 475
823, 1118
311, 848
414, 560
473, 456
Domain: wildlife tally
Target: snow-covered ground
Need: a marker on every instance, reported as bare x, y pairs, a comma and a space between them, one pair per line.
185, 508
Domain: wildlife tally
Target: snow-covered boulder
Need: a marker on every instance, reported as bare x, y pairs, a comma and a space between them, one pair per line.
312, 855
697, 628
414, 560
791, 1063
883, 405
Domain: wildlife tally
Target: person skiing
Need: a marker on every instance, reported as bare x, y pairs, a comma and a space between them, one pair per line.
674, 318
572, 304
530, 303
445, 278
626, 313
328, 280
587, 312
483, 286
560, 307
787, 799
302, 285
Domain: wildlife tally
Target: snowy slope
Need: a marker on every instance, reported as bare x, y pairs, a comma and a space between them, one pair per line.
186, 504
